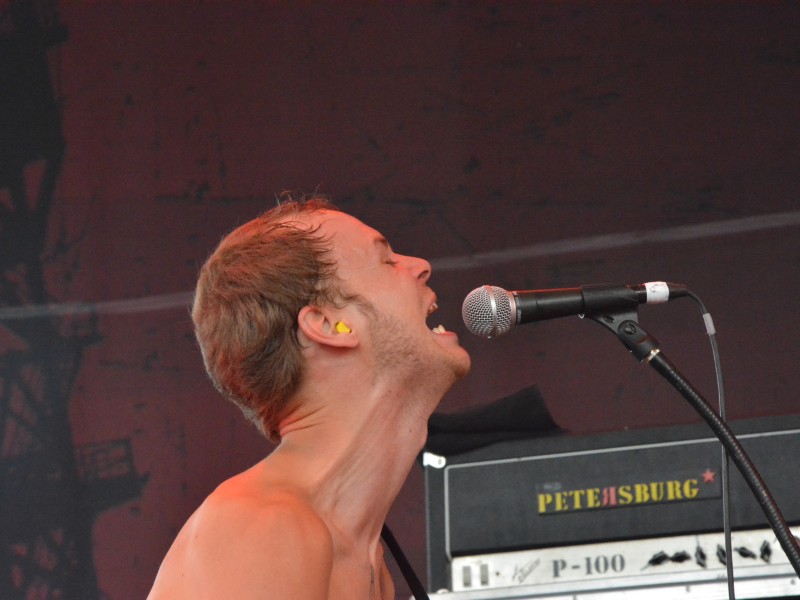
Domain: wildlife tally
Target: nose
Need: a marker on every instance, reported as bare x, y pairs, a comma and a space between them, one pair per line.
419, 267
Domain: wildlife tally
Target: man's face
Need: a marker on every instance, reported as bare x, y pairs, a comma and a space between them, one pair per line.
395, 286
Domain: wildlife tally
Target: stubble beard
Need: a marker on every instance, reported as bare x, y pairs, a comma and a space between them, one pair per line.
415, 362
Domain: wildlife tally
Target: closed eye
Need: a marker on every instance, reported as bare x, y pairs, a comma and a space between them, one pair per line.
385, 249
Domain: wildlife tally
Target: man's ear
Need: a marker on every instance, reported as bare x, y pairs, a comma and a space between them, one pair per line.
325, 326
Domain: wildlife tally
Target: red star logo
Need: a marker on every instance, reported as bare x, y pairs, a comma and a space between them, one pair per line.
708, 476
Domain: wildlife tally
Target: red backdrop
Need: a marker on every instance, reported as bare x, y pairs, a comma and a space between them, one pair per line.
584, 143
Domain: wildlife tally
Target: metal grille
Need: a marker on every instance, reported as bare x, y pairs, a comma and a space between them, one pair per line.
487, 311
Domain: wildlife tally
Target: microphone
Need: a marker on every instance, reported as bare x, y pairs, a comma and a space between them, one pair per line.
489, 311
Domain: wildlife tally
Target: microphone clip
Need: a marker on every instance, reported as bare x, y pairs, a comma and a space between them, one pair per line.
625, 325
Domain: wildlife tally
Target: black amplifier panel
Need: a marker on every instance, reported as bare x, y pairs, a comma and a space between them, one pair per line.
568, 490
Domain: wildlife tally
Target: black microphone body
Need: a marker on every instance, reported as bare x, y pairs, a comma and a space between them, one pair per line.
539, 305
489, 310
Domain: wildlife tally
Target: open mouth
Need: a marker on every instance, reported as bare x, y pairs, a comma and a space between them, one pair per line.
439, 329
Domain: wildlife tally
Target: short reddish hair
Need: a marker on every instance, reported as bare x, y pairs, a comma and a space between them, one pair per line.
248, 296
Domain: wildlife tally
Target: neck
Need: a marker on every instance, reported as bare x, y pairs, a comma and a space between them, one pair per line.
355, 450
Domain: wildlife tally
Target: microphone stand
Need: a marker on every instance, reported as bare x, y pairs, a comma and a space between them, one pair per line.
646, 348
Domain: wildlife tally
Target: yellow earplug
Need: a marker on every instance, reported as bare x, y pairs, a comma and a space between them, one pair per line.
342, 328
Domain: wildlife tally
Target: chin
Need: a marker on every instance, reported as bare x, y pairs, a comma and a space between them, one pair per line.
460, 364
464, 369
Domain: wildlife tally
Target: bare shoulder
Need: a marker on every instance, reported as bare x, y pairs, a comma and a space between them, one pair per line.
248, 543
233, 511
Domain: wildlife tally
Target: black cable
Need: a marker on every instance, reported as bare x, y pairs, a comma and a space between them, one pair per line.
725, 463
414, 584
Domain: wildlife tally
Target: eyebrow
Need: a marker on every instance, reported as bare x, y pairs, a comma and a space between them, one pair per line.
382, 241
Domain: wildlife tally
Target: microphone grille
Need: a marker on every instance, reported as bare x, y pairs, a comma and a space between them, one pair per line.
487, 311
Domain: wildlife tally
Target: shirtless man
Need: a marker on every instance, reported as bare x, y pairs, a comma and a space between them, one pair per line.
311, 323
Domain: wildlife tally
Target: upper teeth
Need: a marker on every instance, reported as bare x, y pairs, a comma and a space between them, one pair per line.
433, 308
